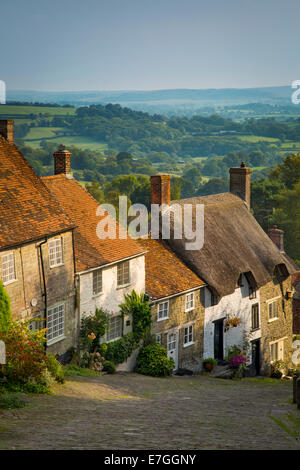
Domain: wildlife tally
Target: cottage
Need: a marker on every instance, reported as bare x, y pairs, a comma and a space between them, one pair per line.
105, 269
247, 278
177, 307
296, 303
36, 248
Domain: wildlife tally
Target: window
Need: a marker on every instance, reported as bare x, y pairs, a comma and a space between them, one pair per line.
189, 301
163, 311
8, 268
114, 328
97, 281
34, 325
252, 293
273, 309
255, 316
55, 252
171, 341
158, 338
55, 322
188, 337
123, 274
277, 351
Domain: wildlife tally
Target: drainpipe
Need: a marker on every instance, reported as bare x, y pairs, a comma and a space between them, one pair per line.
44, 285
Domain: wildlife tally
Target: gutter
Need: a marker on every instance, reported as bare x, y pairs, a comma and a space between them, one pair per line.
161, 299
44, 284
111, 264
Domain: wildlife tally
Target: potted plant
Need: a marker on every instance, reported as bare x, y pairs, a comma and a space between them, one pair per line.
232, 322
209, 363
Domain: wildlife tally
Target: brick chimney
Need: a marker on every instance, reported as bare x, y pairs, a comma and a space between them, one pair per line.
276, 236
7, 129
240, 182
160, 189
62, 161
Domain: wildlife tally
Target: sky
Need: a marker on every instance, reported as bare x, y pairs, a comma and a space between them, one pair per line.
61, 45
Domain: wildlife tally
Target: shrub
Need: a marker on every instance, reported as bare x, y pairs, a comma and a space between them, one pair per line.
153, 360
109, 367
118, 351
138, 306
5, 312
233, 351
277, 369
11, 400
92, 328
210, 360
55, 368
92, 360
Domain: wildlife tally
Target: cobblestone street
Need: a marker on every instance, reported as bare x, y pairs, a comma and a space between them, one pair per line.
130, 411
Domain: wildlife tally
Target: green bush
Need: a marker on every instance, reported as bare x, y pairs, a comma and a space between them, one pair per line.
109, 367
138, 306
11, 400
91, 329
153, 360
118, 351
55, 368
210, 360
5, 311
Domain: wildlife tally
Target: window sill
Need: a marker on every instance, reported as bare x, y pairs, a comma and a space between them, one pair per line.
94, 296
55, 340
189, 344
255, 329
56, 265
273, 319
115, 339
9, 282
189, 309
124, 285
162, 319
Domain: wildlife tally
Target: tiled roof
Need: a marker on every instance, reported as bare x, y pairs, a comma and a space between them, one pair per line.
27, 210
90, 251
166, 274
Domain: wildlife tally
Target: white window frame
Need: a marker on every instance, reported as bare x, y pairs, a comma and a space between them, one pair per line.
163, 307
188, 334
115, 317
52, 245
61, 324
280, 350
97, 272
189, 301
270, 302
124, 284
158, 338
9, 258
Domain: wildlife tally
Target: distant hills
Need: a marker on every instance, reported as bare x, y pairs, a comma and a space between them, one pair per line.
175, 98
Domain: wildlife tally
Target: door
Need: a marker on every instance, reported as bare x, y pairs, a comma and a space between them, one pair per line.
219, 339
173, 347
256, 355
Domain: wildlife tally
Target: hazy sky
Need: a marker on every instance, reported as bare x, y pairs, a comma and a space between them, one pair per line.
148, 44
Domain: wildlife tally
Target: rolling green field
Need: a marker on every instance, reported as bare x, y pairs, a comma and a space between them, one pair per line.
78, 141
6, 110
257, 138
42, 132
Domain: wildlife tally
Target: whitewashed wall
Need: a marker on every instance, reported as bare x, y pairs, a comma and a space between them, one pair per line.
111, 295
236, 304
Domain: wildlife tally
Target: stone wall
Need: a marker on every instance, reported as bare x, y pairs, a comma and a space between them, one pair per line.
280, 328
191, 356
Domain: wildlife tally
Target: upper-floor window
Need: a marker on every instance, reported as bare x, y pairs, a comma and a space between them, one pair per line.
114, 330
252, 293
189, 301
273, 309
123, 274
97, 281
8, 268
55, 252
188, 337
163, 310
255, 316
55, 322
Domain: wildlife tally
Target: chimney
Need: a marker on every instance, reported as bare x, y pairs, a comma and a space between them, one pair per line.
7, 129
240, 182
160, 189
276, 236
62, 161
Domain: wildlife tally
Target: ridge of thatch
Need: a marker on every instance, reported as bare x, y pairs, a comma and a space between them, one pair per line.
234, 243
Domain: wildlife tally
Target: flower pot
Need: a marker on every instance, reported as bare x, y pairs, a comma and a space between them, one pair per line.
208, 366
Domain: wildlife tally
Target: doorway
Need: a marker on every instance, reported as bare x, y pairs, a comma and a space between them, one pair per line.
173, 347
219, 339
256, 355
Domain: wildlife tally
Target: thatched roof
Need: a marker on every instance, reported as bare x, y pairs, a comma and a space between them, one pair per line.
234, 243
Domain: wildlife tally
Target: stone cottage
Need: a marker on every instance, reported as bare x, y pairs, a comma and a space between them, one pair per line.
105, 269
248, 280
36, 248
177, 307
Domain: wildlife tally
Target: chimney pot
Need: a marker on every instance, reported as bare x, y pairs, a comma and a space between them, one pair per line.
240, 182
160, 189
7, 129
276, 236
62, 161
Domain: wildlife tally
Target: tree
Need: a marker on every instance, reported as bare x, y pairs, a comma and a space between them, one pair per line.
5, 311
287, 172
95, 190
